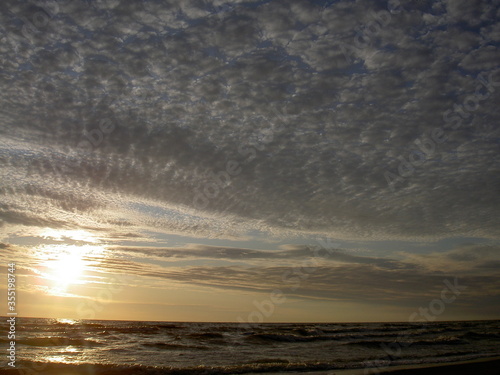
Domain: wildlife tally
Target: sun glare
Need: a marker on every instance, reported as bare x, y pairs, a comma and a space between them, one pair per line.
66, 265
66, 321
67, 269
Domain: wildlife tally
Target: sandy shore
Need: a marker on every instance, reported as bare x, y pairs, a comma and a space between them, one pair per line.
477, 367
489, 366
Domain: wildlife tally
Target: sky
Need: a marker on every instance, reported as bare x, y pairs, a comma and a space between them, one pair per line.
251, 161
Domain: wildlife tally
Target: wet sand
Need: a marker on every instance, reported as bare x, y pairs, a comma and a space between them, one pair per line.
476, 367
489, 366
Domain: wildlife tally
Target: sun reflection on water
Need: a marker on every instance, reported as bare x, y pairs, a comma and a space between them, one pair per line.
66, 321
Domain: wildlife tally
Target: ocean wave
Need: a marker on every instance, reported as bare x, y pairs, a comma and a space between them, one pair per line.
250, 348
57, 341
170, 326
144, 329
169, 346
289, 337
206, 335
481, 336
266, 366
281, 337
429, 342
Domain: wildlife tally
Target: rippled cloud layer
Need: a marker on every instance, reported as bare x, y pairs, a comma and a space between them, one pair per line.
375, 120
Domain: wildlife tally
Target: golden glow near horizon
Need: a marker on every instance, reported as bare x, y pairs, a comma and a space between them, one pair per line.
89, 275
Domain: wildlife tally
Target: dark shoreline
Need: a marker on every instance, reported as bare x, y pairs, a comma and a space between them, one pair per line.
484, 366
476, 367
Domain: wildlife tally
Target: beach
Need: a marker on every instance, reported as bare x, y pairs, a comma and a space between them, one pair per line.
483, 367
489, 366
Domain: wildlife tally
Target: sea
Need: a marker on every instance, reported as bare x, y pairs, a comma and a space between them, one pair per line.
133, 347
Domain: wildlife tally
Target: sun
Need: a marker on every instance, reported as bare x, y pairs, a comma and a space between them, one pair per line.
67, 269
63, 266
70, 261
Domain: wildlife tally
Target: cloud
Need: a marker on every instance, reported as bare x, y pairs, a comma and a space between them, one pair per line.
343, 278
293, 255
467, 259
120, 110
410, 278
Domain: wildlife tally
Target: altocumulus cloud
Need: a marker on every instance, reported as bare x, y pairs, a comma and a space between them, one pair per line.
118, 113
